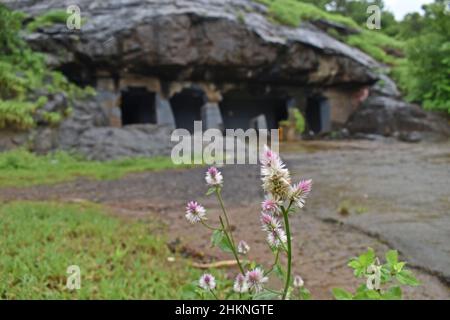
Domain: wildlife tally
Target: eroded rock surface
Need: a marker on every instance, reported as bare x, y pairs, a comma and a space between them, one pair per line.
389, 116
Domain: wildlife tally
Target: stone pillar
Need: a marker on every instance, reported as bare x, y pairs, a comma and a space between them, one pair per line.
211, 116
325, 115
110, 100
164, 114
259, 122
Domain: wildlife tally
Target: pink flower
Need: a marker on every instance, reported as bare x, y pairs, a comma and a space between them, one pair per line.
276, 178
243, 247
214, 177
268, 157
195, 212
276, 237
255, 279
300, 192
269, 222
270, 205
240, 284
207, 282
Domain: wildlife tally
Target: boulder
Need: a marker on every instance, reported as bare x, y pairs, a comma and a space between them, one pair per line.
106, 143
389, 116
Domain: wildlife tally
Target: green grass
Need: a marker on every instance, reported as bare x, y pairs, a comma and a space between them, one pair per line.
292, 12
22, 168
48, 19
374, 43
118, 259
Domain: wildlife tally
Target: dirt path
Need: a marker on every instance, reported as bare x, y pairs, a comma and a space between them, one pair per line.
365, 194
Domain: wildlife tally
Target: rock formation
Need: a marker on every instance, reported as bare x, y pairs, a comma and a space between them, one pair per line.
211, 55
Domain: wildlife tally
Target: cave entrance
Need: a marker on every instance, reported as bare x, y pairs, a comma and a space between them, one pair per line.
138, 106
241, 109
317, 114
186, 108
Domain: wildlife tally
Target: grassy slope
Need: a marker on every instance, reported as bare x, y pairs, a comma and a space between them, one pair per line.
374, 43
118, 259
22, 168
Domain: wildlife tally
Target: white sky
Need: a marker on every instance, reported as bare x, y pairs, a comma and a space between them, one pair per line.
401, 7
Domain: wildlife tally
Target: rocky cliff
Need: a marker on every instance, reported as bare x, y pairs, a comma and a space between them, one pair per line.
214, 41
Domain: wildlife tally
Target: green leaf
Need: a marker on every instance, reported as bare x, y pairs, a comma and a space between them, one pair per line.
265, 295
341, 294
366, 259
219, 239
279, 271
189, 291
305, 294
385, 273
392, 257
354, 264
359, 269
210, 191
394, 293
216, 237
373, 295
406, 277
399, 266
362, 288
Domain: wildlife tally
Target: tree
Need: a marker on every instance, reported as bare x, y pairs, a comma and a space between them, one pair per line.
425, 76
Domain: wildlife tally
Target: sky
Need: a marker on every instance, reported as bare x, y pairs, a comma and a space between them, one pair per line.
401, 7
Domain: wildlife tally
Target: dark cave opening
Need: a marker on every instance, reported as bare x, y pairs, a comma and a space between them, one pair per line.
186, 107
138, 106
317, 114
239, 109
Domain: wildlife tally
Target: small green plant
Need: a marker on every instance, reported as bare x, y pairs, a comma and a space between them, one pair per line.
300, 124
47, 19
383, 281
25, 79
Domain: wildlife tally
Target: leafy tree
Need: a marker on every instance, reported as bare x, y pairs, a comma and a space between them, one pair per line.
425, 75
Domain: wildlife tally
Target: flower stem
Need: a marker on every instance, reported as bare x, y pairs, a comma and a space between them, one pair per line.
227, 230
274, 264
219, 197
233, 249
212, 292
289, 251
208, 226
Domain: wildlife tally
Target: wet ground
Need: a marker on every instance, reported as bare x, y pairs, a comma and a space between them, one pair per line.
378, 194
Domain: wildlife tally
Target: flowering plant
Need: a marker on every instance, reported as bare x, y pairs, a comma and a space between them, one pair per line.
282, 199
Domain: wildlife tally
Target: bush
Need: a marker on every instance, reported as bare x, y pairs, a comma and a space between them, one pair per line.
23, 73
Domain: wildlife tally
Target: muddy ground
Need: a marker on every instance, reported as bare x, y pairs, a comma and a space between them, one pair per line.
366, 194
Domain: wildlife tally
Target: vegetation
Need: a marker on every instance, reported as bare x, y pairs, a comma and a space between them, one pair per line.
424, 75
378, 278
292, 12
25, 80
417, 48
124, 260
282, 201
48, 19
23, 168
